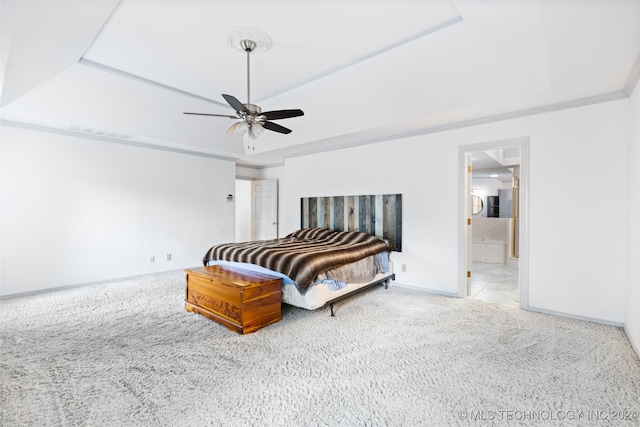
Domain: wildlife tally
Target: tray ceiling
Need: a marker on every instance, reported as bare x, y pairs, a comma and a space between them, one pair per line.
361, 71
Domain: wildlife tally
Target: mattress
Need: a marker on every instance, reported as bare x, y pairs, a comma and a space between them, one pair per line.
318, 294
326, 286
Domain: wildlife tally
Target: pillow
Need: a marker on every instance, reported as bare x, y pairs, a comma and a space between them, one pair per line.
311, 233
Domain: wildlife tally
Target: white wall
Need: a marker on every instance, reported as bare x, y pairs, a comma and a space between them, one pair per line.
632, 312
578, 171
244, 210
83, 210
77, 210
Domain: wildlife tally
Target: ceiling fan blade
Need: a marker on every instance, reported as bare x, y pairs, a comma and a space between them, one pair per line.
214, 115
282, 114
237, 105
275, 127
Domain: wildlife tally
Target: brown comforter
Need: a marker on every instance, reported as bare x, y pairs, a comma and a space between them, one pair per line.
303, 254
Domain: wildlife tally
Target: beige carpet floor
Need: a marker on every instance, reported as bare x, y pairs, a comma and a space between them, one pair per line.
128, 354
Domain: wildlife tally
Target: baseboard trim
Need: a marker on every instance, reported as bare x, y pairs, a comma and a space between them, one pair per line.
575, 316
534, 309
81, 285
425, 290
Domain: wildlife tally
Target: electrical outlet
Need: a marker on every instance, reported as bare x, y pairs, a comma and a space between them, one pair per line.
404, 268
168, 257
152, 259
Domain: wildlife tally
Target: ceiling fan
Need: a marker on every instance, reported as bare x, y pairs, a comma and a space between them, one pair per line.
253, 120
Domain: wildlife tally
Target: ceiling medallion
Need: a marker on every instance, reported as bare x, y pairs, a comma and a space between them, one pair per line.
237, 35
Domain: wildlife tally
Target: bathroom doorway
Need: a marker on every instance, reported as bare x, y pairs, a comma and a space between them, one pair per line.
493, 222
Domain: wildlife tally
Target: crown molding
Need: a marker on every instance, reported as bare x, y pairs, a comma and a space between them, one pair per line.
581, 102
241, 163
576, 103
129, 142
633, 78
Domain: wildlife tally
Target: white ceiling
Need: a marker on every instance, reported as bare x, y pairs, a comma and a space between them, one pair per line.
497, 164
362, 71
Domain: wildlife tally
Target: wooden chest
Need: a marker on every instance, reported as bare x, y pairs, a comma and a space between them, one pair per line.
242, 300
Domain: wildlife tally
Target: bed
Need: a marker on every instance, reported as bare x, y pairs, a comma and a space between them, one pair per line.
318, 266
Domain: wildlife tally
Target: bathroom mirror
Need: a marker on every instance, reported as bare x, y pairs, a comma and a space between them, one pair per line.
478, 204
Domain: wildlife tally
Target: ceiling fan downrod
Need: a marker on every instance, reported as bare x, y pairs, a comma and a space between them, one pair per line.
248, 46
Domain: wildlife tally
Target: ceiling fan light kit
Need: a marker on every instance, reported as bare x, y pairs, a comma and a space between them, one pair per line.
253, 121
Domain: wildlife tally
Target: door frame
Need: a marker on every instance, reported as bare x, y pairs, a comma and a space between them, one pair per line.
464, 228
258, 218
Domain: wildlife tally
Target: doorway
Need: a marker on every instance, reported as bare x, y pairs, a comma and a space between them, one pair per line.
264, 193
493, 231
256, 209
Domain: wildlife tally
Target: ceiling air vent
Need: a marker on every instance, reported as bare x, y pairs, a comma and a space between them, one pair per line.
99, 132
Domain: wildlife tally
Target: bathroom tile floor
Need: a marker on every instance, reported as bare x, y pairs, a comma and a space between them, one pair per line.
495, 283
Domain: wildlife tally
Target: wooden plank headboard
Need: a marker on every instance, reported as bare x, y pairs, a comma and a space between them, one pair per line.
380, 215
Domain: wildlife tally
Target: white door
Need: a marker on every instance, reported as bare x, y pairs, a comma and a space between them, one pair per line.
265, 209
